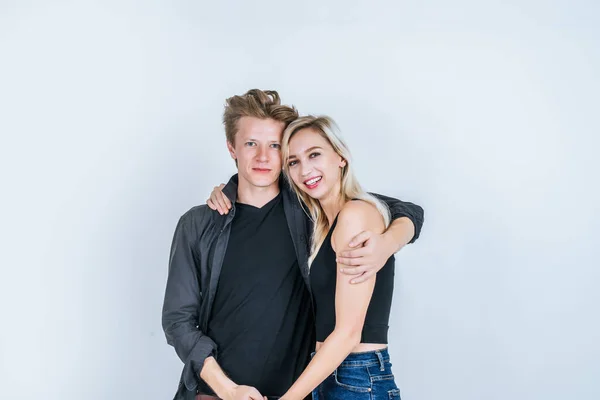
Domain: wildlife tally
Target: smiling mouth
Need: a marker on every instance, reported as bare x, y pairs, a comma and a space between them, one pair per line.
313, 182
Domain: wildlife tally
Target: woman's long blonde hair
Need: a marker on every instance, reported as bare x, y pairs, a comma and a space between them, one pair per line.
349, 187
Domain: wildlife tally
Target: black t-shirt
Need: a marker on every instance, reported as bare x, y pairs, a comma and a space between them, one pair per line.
261, 318
323, 280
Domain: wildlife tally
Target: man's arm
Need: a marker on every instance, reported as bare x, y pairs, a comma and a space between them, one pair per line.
370, 251
180, 320
180, 316
399, 234
403, 214
404, 210
224, 387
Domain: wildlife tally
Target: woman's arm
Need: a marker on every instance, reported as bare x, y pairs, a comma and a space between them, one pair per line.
370, 251
351, 303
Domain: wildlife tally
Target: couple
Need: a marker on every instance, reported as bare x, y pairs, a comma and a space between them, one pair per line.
254, 282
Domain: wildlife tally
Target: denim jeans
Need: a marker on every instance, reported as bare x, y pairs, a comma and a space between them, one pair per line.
361, 376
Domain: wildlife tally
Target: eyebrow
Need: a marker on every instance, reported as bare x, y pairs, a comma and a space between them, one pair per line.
306, 151
256, 140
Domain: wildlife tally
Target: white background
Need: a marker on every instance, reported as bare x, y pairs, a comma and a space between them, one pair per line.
483, 112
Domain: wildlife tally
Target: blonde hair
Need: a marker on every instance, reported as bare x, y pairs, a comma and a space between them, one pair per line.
349, 188
255, 103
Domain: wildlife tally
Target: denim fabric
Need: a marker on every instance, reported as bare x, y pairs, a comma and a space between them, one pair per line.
361, 376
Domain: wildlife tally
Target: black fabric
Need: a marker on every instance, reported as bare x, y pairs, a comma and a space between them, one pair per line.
261, 319
197, 252
323, 273
399, 209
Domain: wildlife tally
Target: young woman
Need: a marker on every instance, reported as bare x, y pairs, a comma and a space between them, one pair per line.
351, 359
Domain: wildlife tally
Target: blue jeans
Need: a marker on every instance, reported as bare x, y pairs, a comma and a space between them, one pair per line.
361, 376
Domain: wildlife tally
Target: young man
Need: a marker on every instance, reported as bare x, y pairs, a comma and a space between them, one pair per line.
237, 304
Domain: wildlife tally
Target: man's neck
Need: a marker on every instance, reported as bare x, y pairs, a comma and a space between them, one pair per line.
256, 196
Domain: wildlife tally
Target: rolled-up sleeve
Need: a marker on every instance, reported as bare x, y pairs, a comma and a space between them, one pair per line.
180, 314
399, 209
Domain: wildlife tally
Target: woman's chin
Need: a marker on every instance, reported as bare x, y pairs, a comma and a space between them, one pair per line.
316, 193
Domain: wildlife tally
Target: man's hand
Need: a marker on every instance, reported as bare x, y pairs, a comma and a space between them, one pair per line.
371, 252
218, 201
224, 387
242, 392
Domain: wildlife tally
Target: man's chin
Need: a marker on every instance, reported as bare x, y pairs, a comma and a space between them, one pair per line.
264, 182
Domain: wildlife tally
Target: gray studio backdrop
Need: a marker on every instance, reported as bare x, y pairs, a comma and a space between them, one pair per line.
483, 112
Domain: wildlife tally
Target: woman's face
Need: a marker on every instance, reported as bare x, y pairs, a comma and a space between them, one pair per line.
313, 164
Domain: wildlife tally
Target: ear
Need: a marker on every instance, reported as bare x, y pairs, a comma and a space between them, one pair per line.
342, 163
231, 150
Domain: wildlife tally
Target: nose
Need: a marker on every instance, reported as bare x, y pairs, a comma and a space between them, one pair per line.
305, 169
262, 154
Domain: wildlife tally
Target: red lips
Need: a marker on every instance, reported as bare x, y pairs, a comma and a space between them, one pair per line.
315, 184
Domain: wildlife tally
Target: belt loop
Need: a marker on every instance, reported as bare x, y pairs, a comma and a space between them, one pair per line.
381, 364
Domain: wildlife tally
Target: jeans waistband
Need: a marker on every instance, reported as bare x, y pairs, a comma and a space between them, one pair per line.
367, 358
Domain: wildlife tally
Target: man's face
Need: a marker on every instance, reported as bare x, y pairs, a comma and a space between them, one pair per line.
257, 149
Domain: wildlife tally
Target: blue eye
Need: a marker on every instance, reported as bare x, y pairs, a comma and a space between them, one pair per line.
250, 144
292, 163
276, 146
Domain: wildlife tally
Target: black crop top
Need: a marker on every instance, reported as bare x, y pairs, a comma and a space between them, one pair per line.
323, 272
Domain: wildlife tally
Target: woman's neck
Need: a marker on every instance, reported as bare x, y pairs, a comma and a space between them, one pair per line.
332, 205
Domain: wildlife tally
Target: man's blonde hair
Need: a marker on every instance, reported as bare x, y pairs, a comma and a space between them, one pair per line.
255, 103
